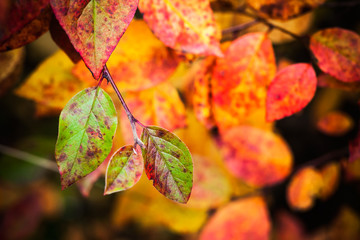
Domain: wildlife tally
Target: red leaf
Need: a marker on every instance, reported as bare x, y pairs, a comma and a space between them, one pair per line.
240, 79
187, 26
290, 91
94, 27
241, 220
338, 53
257, 156
335, 123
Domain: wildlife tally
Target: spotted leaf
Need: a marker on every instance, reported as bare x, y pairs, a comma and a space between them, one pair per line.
124, 170
168, 163
86, 129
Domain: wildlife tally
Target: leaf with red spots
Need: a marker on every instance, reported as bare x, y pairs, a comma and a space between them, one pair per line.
306, 185
168, 163
94, 27
159, 106
246, 218
124, 170
338, 53
240, 79
136, 67
258, 157
86, 128
335, 123
283, 9
291, 90
187, 26
23, 22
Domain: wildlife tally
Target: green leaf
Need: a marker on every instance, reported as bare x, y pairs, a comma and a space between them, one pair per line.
124, 170
86, 129
168, 163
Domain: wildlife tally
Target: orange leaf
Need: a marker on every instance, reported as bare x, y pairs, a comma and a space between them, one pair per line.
291, 90
201, 98
335, 123
44, 83
137, 67
258, 157
281, 9
331, 177
338, 53
159, 106
288, 227
94, 27
240, 79
306, 184
187, 26
243, 219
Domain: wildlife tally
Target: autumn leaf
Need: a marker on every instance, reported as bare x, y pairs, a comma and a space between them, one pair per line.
306, 185
168, 163
124, 170
331, 177
86, 129
159, 106
136, 67
337, 51
240, 79
26, 20
187, 26
10, 68
43, 85
257, 156
335, 123
325, 80
94, 27
283, 10
239, 220
287, 227
291, 90
354, 149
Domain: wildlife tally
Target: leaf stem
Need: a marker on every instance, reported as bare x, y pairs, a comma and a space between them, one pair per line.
132, 119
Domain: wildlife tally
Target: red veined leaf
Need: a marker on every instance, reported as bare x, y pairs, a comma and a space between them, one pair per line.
94, 27
291, 90
243, 219
187, 26
338, 53
240, 79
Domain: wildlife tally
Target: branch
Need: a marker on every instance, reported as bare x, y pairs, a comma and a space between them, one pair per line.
240, 27
132, 119
27, 157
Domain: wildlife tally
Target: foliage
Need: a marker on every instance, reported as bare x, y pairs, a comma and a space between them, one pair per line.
232, 79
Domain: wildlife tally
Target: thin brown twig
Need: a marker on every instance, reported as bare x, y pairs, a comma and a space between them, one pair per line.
132, 119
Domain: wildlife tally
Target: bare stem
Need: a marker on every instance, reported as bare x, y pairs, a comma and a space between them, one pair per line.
132, 119
27, 157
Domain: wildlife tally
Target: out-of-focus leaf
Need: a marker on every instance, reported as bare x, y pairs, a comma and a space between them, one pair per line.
331, 176
10, 68
52, 83
346, 225
160, 106
325, 80
94, 27
257, 156
124, 170
25, 21
280, 9
287, 227
201, 99
137, 67
338, 53
291, 90
240, 80
335, 123
86, 128
243, 219
306, 185
62, 40
168, 163
187, 26
146, 206
354, 149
